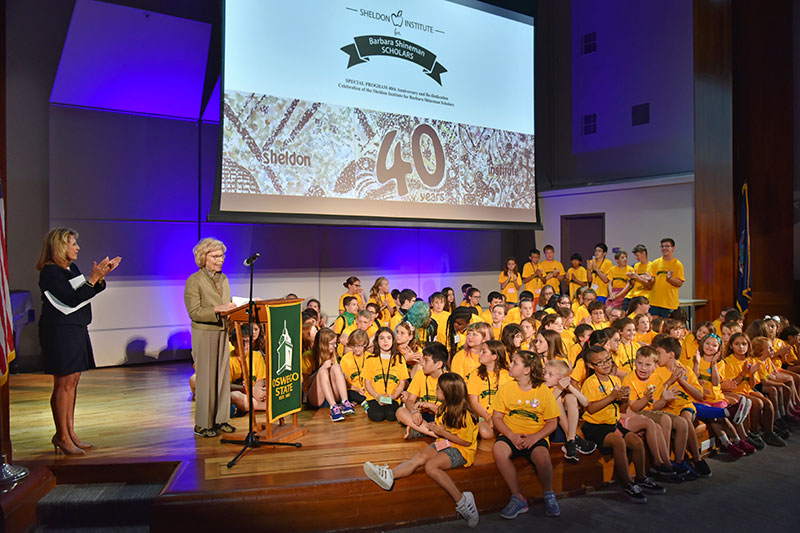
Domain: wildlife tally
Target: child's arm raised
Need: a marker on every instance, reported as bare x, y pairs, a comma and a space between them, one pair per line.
567, 384
598, 405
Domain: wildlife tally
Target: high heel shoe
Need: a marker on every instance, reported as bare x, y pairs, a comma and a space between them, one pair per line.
82, 445
57, 447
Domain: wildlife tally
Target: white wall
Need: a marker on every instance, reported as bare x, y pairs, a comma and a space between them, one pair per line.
640, 211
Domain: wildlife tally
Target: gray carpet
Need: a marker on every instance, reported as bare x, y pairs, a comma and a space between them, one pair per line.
753, 492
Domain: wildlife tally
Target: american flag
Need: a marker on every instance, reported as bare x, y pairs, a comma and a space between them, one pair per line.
7, 335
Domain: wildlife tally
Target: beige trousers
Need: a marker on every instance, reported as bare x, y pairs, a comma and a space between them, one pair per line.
213, 388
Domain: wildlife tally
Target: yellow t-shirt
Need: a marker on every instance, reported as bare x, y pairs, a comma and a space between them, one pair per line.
644, 339
601, 287
689, 347
731, 369
711, 393
638, 288
548, 267
573, 353
340, 324
486, 389
371, 330
664, 294
595, 390
625, 356
638, 389
617, 276
353, 368
513, 316
307, 363
792, 355
535, 285
463, 364
424, 388
396, 319
581, 313
767, 367
441, 325
510, 290
259, 367
357, 296
601, 325
777, 344
683, 400
580, 275
385, 314
468, 433
497, 332
568, 338
579, 372
384, 376
526, 412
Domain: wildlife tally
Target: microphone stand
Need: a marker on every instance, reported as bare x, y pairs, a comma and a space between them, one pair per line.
252, 440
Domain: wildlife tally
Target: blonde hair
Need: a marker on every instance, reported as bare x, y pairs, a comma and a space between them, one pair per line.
560, 366
758, 345
202, 249
54, 247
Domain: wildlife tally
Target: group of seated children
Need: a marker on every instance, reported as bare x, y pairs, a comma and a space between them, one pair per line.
531, 368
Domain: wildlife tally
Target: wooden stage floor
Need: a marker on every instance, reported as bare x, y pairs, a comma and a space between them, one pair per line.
140, 419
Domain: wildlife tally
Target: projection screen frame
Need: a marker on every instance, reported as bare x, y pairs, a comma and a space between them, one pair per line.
260, 217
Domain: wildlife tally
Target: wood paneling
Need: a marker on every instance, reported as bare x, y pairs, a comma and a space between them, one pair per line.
715, 246
763, 139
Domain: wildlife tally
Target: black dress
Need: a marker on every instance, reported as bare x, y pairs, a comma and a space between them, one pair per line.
65, 338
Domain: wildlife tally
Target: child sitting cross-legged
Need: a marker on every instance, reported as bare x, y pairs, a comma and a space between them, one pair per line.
457, 439
420, 399
525, 414
607, 399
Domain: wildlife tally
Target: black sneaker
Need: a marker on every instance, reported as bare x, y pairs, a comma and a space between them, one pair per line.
570, 451
584, 446
774, 440
205, 432
665, 473
650, 487
702, 468
756, 441
634, 493
783, 433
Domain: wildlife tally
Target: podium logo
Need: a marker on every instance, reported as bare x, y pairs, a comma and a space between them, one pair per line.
285, 351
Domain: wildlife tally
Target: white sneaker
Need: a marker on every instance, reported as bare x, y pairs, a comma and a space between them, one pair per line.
380, 474
466, 508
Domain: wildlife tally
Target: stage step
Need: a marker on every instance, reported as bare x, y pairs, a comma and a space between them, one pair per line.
97, 506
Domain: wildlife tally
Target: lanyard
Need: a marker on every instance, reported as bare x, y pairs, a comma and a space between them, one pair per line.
607, 394
489, 387
355, 360
628, 355
385, 374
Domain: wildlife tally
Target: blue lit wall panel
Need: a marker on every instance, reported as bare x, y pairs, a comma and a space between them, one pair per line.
132, 60
118, 166
211, 112
149, 250
458, 250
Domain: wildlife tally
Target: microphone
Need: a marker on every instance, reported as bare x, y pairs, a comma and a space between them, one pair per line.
252, 259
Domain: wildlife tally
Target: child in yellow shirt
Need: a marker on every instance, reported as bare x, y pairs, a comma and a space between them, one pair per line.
677, 387
598, 268
385, 377
525, 414
607, 398
553, 270
619, 282
625, 355
576, 276
510, 281
352, 364
457, 440
532, 274
644, 336
597, 313
354, 290
420, 397
498, 319
512, 338
466, 359
381, 294
484, 383
528, 327
556, 376
438, 313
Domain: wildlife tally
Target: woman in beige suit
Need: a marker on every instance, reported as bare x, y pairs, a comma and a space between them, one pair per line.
208, 294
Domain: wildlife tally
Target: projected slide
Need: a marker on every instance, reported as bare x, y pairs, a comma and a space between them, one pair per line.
413, 110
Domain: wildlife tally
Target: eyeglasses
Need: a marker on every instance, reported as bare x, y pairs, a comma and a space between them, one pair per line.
604, 362
217, 257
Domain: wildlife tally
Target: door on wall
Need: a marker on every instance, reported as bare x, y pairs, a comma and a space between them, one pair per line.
579, 234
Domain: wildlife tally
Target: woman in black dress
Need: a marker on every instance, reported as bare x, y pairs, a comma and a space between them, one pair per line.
63, 330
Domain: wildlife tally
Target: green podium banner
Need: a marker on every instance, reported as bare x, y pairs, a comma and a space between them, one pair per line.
383, 45
285, 381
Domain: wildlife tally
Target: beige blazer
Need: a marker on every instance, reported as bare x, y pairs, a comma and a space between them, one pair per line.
201, 298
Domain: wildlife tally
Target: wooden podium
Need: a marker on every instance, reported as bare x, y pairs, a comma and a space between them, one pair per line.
236, 318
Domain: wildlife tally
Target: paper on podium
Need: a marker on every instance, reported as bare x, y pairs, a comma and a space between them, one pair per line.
75, 282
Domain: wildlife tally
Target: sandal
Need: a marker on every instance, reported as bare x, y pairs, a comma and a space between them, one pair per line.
225, 428
205, 432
